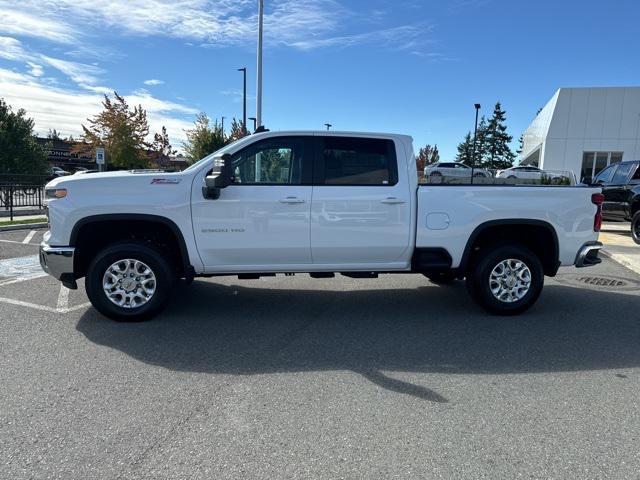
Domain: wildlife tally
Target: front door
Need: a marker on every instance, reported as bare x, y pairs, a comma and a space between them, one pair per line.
361, 210
261, 221
616, 191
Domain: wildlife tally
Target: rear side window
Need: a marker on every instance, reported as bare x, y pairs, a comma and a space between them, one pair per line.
359, 161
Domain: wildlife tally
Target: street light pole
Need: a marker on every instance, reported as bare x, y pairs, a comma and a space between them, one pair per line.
328, 125
244, 99
475, 134
259, 69
222, 129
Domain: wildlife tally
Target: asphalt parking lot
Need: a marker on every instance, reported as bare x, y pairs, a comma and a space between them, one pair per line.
293, 377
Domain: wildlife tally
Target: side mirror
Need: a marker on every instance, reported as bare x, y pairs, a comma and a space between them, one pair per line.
220, 177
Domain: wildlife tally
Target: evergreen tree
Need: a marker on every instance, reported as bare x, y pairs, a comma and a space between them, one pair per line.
203, 139
161, 149
122, 132
482, 148
465, 150
496, 152
19, 151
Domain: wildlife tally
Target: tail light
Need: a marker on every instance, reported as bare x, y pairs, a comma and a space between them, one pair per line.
597, 199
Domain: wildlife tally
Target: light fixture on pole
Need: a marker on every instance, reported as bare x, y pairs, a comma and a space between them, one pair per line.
244, 99
475, 135
328, 125
259, 67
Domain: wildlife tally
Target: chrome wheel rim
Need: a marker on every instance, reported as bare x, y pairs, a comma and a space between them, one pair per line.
510, 280
129, 283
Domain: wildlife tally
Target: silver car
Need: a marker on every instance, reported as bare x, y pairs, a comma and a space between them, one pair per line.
453, 169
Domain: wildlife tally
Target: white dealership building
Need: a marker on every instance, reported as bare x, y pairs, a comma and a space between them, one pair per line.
585, 129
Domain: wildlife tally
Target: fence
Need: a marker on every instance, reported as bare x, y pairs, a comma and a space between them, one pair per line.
20, 192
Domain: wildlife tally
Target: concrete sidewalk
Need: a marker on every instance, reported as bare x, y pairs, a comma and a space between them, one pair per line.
619, 246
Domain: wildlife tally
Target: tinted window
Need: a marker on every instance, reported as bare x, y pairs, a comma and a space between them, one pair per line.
273, 161
447, 165
359, 161
622, 174
605, 175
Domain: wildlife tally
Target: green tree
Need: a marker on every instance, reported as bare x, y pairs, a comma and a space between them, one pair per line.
53, 135
203, 138
426, 156
496, 152
520, 144
122, 132
465, 150
161, 149
19, 151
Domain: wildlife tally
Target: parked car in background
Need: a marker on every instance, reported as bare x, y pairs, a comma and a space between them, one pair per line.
534, 173
55, 172
453, 169
620, 184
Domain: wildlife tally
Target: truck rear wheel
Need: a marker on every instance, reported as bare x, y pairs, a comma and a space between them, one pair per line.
128, 282
507, 280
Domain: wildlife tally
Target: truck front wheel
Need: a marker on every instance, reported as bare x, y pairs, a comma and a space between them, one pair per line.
635, 227
506, 280
128, 281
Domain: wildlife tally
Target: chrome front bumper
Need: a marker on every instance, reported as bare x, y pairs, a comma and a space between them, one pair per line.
58, 262
588, 255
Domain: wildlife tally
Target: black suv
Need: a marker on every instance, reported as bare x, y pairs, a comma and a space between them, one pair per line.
620, 184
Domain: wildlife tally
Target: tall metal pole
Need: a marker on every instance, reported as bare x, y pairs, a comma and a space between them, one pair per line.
475, 134
222, 129
244, 99
259, 69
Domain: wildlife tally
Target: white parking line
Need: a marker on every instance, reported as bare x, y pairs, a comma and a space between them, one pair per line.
63, 298
29, 236
43, 308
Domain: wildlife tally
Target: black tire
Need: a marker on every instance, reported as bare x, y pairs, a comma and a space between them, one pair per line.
478, 279
635, 227
154, 259
442, 278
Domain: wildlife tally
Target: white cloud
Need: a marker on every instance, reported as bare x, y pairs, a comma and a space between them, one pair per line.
80, 73
33, 21
35, 69
65, 109
153, 81
11, 49
305, 25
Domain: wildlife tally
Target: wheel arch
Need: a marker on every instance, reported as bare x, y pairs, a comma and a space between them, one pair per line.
79, 229
520, 230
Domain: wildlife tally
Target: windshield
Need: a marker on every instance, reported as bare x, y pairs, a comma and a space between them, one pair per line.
217, 153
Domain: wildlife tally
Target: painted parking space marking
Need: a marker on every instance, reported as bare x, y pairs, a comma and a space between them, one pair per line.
29, 236
63, 298
43, 308
20, 268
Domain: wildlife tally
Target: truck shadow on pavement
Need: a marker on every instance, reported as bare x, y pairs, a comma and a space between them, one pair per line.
245, 330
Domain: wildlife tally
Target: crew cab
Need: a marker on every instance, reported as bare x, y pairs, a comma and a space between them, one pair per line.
310, 202
620, 184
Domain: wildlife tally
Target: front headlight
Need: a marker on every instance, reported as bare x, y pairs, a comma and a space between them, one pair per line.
52, 193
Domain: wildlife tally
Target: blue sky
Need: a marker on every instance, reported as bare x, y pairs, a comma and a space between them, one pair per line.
410, 66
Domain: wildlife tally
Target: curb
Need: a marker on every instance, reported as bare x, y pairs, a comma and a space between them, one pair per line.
622, 260
23, 226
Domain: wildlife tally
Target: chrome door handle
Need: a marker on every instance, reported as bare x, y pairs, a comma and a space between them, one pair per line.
392, 201
292, 200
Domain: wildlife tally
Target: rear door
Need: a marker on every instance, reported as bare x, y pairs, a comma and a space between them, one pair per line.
361, 207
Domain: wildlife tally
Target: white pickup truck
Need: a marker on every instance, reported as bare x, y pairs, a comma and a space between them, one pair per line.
310, 202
